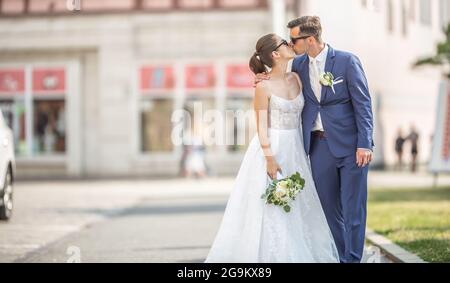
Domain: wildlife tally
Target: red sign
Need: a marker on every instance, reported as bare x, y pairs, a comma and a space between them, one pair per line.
43, 6
200, 77
102, 5
49, 80
241, 4
189, 4
12, 81
239, 76
157, 77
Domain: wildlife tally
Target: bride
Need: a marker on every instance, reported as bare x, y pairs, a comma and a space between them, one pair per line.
252, 231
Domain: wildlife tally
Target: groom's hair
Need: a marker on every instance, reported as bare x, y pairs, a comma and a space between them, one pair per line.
309, 25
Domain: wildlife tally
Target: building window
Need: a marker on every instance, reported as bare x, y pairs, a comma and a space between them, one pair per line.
444, 9
200, 103
200, 82
14, 113
372, 5
156, 125
390, 16
199, 128
412, 10
12, 95
49, 123
45, 132
241, 125
49, 126
156, 106
425, 12
404, 19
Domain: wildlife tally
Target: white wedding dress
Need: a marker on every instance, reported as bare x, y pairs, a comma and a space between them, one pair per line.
252, 231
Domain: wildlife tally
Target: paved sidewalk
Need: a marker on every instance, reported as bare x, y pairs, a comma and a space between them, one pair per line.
137, 220
46, 211
391, 179
162, 230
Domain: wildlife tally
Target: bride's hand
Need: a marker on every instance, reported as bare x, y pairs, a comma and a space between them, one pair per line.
273, 168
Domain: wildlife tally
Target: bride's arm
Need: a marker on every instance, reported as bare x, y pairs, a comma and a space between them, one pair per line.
261, 108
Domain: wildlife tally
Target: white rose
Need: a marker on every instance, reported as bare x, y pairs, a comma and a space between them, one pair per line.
283, 183
281, 189
324, 81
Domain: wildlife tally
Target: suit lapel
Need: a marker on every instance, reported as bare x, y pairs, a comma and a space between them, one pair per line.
329, 64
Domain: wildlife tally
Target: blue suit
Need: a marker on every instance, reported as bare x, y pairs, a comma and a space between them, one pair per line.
347, 120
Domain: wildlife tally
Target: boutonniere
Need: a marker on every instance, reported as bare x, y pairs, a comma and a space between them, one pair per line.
327, 79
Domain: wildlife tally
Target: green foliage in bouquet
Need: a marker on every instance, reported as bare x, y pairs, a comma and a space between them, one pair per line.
281, 192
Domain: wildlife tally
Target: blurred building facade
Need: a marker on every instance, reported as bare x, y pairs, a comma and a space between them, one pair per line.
92, 92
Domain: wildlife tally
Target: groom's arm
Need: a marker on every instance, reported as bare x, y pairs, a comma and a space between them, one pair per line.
362, 104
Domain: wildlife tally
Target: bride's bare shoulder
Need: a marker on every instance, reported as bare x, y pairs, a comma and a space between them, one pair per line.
293, 76
262, 90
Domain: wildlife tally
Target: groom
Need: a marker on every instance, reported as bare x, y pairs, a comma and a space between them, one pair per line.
338, 132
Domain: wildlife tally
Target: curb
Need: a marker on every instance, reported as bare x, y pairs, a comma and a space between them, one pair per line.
392, 251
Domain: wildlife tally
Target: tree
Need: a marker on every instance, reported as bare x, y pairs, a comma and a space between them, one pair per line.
442, 56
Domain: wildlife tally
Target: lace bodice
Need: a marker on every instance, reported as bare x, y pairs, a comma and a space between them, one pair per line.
285, 114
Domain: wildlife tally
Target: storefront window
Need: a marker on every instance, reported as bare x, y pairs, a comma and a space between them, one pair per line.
156, 83
240, 123
14, 114
49, 127
200, 80
156, 125
12, 95
49, 111
201, 124
44, 133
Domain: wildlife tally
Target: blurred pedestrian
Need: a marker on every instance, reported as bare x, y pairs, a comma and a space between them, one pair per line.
185, 152
195, 160
186, 146
399, 143
413, 138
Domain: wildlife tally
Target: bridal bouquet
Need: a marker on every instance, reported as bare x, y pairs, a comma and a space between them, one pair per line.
282, 191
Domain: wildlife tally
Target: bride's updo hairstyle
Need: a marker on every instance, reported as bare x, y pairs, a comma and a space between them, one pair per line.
262, 58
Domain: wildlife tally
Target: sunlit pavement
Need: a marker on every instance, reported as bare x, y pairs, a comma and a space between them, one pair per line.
123, 221
46, 212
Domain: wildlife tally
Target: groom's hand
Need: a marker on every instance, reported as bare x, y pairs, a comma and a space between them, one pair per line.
260, 77
363, 157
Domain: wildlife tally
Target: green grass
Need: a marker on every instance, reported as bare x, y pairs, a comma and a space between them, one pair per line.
416, 219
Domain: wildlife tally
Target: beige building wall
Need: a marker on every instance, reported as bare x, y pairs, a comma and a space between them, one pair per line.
105, 52
102, 53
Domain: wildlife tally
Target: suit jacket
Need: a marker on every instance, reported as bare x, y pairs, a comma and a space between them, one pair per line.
347, 112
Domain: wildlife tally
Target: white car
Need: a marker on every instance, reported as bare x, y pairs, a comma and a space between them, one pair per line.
7, 169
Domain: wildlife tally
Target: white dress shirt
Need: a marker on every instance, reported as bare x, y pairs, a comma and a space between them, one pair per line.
316, 69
